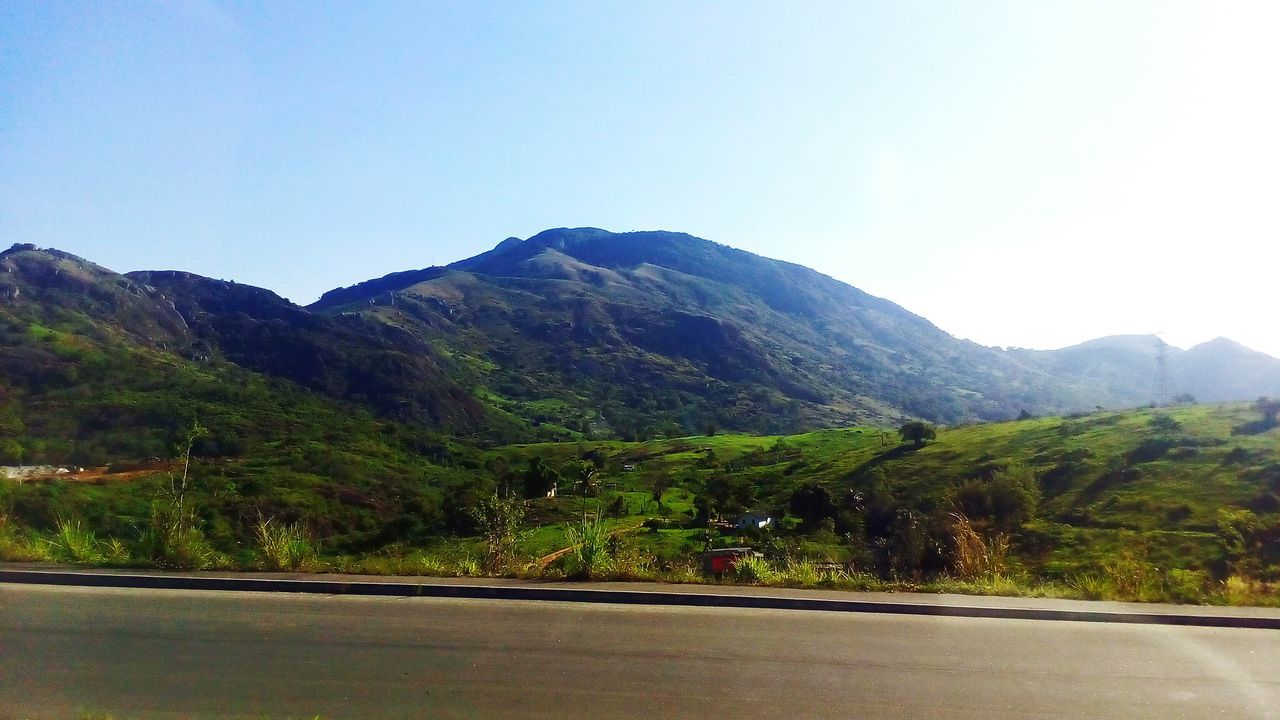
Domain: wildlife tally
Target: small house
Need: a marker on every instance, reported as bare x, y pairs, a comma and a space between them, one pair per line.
752, 521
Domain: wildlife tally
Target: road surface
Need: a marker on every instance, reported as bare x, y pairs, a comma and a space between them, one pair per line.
70, 652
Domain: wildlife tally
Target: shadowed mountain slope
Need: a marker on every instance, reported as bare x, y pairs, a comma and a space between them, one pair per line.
68, 320
659, 332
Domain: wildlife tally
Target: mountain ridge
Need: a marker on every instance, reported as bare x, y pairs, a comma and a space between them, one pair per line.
578, 332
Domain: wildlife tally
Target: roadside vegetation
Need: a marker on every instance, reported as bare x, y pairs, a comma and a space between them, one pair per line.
1158, 505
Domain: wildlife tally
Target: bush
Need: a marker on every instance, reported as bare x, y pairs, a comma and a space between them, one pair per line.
499, 521
1133, 578
1002, 503
16, 546
1186, 586
1091, 586
917, 432
800, 572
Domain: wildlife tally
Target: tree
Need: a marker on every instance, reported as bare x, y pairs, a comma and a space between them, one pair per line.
539, 478
917, 432
661, 483
1269, 409
724, 495
11, 451
812, 503
583, 473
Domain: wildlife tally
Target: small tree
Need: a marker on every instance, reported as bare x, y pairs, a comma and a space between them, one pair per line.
661, 483
175, 538
499, 521
917, 432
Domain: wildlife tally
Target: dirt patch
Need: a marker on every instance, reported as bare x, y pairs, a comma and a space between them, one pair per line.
100, 475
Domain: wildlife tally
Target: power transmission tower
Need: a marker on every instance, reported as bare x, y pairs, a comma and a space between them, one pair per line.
1164, 388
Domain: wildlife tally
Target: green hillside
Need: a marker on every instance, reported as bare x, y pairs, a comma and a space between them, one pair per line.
96, 372
1181, 499
1096, 483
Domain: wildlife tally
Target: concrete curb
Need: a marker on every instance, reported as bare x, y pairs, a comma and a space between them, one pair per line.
618, 597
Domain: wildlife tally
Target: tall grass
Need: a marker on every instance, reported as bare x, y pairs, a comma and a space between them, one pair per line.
590, 555
174, 541
752, 569
974, 556
72, 543
19, 546
286, 546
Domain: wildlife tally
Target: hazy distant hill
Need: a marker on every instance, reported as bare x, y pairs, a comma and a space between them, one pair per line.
1120, 371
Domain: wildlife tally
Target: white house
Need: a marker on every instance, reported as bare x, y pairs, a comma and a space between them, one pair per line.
753, 520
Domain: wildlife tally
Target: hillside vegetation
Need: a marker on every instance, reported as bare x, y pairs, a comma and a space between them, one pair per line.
1151, 504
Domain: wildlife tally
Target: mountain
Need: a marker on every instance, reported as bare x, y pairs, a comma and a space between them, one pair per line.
657, 332
578, 333
341, 356
96, 366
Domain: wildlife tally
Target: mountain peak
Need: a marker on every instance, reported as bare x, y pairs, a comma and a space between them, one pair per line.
561, 238
28, 249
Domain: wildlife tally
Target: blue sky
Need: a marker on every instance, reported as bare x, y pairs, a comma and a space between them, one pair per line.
1029, 174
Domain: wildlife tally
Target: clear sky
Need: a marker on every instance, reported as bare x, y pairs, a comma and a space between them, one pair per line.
1020, 173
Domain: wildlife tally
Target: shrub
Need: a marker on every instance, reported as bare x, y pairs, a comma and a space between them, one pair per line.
427, 565
469, 567
1132, 577
800, 572
16, 546
917, 432
1186, 586
1004, 502
499, 522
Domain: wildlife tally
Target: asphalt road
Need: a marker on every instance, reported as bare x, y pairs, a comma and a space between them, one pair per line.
70, 652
